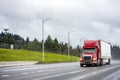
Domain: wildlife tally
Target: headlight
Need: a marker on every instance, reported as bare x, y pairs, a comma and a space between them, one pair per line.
81, 59
94, 59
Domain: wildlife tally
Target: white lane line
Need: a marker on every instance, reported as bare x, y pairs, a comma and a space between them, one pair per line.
74, 72
5, 75
93, 73
56, 69
113, 76
33, 72
44, 71
50, 70
39, 71
57, 75
25, 73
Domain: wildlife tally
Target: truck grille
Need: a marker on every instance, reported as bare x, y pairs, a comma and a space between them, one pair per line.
87, 58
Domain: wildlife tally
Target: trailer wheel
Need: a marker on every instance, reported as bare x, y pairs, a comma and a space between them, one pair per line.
97, 64
101, 62
108, 61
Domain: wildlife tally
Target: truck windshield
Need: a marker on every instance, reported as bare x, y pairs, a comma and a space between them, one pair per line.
89, 50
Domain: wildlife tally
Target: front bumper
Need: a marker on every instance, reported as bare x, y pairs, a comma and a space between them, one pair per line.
91, 62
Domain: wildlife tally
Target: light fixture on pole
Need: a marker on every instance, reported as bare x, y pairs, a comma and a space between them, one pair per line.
5, 30
43, 21
69, 43
81, 40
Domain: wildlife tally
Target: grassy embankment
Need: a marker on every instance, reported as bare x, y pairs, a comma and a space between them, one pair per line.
26, 55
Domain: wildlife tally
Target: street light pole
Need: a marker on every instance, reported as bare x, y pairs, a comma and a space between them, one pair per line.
60, 46
6, 30
81, 42
69, 44
43, 21
81, 39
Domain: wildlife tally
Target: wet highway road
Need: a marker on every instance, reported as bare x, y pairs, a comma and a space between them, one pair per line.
61, 71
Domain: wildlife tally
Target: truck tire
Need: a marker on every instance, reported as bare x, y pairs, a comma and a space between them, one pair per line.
108, 61
81, 65
97, 64
89, 65
101, 62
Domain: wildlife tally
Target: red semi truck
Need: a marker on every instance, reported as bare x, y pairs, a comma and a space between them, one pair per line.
95, 52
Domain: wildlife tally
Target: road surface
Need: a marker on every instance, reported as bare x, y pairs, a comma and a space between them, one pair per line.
61, 71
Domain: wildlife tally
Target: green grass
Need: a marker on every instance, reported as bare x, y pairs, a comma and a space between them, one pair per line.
26, 55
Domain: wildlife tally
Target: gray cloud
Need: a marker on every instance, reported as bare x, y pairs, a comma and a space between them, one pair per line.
91, 19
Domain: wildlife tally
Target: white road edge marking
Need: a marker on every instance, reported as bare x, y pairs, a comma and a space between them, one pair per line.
21, 69
5, 75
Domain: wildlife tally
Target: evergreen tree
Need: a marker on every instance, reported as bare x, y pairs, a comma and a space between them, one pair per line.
64, 48
2, 37
115, 51
56, 45
18, 40
27, 44
27, 41
49, 43
9, 39
35, 45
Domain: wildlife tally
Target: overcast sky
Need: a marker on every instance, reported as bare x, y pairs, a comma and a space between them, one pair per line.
89, 19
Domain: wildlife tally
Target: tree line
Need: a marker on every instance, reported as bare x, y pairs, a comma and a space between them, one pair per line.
51, 45
115, 51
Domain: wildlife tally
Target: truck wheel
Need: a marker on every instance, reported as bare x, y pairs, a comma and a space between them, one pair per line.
108, 61
97, 64
89, 65
81, 65
101, 62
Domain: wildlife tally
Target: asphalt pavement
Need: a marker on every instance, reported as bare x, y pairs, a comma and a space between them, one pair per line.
16, 63
61, 71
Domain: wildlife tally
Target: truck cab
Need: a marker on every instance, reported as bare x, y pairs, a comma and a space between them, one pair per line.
90, 54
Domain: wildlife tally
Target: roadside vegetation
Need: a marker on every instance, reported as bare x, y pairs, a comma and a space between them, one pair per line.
26, 55
52, 45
